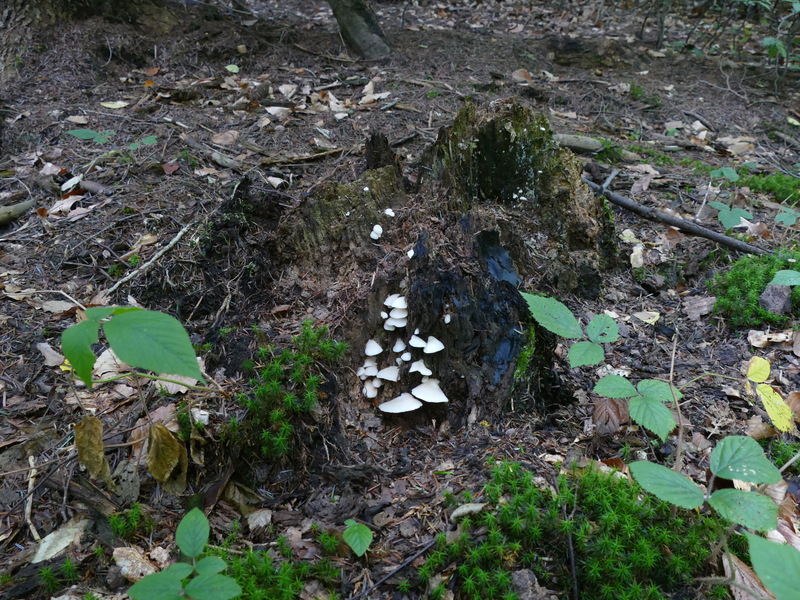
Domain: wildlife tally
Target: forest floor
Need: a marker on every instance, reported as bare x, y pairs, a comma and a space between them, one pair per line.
276, 97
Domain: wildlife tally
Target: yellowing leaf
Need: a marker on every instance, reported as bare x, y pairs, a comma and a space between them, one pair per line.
779, 412
793, 121
758, 369
117, 104
163, 452
89, 441
648, 316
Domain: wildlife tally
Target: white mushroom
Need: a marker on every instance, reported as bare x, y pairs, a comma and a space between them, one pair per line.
403, 403
377, 232
416, 331
399, 346
405, 357
370, 391
392, 322
384, 314
419, 367
389, 212
447, 319
377, 383
389, 373
410, 253
400, 302
433, 345
429, 391
373, 348
389, 327
399, 313
367, 370
416, 342
390, 299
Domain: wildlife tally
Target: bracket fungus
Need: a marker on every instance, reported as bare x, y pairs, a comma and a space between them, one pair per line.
389, 374
433, 345
372, 348
405, 402
429, 391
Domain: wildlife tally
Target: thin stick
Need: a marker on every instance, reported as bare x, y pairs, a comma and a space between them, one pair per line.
29, 500
152, 261
399, 568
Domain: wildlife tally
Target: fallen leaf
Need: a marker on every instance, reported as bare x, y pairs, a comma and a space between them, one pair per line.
163, 454
51, 357
650, 317
698, 306
226, 138
91, 451
116, 104
745, 576
521, 75
609, 414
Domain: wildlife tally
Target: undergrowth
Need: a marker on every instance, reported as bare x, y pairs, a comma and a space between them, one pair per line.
738, 289
627, 545
784, 188
285, 385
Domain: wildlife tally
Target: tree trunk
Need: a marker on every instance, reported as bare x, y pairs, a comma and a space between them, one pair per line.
360, 29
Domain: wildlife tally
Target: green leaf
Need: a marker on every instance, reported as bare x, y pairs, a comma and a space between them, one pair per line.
660, 390
83, 134
98, 313
585, 353
149, 140
786, 277
667, 484
740, 457
726, 172
553, 316
777, 565
357, 536
158, 586
213, 587
615, 386
192, 533
76, 343
153, 341
719, 205
787, 218
180, 570
210, 565
602, 330
651, 413
751, 509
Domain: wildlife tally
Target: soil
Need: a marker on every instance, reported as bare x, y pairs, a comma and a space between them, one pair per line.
227, 139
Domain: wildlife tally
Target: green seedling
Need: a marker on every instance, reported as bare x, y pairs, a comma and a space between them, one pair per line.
103, 137
357, 536
205, 578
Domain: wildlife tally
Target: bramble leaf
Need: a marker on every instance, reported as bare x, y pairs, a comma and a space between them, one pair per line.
553, 316
740, 457
585, 353
667, 484
751, 509
357, 536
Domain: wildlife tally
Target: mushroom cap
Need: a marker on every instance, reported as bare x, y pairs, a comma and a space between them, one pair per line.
366, 370
389, 373
405, 402
399, 313
369, 390
405, 356
418, 366
384, 314
393, 322
433, 345
400, 302
390, 299
447, 319
389, 212
429, 391
373, 348
416, 342
399, 346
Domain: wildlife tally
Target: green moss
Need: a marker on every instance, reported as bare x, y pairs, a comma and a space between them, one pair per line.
626, 544
784, 188
738, 289
131, 523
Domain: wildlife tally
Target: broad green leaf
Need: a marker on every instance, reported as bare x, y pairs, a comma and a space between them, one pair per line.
158, 586
740, 457
192, 533
751, 509
602, 329
758, 369
667, 484
786, 277
76, 343
652, 414
732, 218
83, 134
154, 341
779, 412
149, 140
210, 565
660, 390
585, 353
232, 68
615, 386
553, 316
788, 219
181, 570
357, 536
98, 313
719, 205
726, 172
213, 587
778, 566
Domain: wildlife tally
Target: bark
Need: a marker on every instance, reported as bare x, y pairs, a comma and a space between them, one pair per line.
360, 29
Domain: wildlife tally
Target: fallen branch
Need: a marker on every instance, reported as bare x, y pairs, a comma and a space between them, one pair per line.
686, 226
9, 213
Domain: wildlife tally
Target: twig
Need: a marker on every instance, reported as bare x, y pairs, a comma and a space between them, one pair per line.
572, 566
29, 501
152, 261
393, 572
679, 449
687, 226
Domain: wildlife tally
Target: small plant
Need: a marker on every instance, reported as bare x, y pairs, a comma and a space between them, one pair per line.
70, 571
49, 580
784, 188
131, 522
357, 536
329, 543
207, 581
103, 137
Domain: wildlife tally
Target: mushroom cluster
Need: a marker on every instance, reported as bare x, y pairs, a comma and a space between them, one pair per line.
374, 377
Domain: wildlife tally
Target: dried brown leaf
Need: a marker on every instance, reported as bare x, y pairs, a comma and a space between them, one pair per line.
793, 401
609, 414
176, 484
89, 441
745, 576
